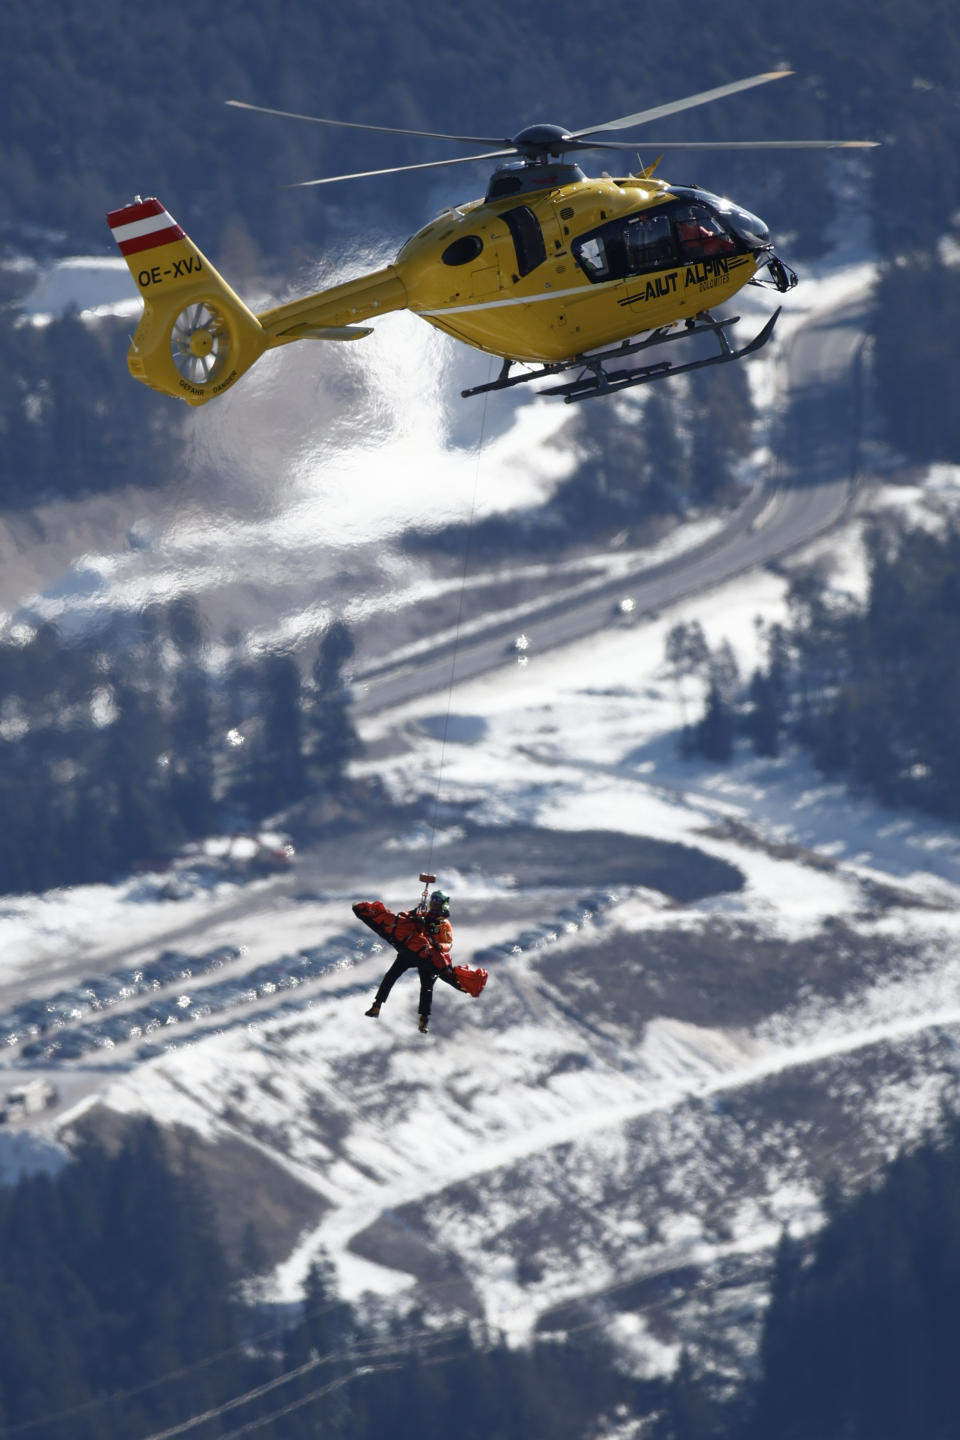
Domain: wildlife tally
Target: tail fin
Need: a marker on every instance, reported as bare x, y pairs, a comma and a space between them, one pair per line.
196, 336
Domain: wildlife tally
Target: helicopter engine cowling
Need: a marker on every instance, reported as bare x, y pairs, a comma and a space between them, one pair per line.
520, 177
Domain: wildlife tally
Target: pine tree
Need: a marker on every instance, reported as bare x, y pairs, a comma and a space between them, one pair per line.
284, 773
764, 721
687, 653
143, 815
332, 740
722, 433
689, 1412
192, 772
714, 734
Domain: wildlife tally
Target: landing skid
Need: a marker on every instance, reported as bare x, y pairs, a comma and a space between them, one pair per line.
596, 379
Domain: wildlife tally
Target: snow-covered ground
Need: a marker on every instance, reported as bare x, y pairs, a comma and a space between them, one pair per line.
519, 1104
581, 739
92, 286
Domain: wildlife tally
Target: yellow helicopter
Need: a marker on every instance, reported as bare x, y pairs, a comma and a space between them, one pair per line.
552, 269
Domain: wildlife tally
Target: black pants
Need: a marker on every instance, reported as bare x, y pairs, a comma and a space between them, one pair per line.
406, 960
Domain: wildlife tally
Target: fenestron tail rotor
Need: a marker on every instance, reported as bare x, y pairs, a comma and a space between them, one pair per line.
200, 343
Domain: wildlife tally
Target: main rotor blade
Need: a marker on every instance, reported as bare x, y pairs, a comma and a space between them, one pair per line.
399, 169
658, 111
380, 129
733, 144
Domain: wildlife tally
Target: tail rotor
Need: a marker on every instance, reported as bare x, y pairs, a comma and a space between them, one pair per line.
200, 343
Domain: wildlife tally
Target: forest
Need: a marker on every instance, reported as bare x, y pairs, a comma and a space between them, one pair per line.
123, 1317
68, 428
627, 477
107, 104
860, 1338
119, 746
869, 689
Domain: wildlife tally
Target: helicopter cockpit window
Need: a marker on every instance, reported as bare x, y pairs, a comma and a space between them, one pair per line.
649, 242
462, 251
527, 238
591, 254
748, 227
701, 234
625, 247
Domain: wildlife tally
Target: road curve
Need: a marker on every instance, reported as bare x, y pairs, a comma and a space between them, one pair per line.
818, 449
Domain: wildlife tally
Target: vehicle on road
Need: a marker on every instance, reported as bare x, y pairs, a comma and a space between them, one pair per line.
519, 648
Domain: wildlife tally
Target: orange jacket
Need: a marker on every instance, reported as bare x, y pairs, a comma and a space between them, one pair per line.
441, 933
420, 932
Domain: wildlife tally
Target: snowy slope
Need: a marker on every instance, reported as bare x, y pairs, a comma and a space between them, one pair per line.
622, 1100
645, 1085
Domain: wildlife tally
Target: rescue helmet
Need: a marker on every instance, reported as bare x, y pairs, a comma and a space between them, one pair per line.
439, 903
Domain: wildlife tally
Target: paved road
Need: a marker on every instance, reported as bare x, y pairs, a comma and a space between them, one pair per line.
818, 447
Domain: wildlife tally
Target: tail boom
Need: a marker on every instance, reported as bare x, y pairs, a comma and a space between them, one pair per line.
337, 313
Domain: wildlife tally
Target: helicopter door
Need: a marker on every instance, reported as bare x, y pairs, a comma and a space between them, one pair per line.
484, 282
527, 238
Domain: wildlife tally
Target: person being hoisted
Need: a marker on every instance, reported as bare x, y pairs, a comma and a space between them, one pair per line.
423, 939
433, 919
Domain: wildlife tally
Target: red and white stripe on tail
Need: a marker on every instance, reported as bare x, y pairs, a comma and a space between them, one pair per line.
142, 225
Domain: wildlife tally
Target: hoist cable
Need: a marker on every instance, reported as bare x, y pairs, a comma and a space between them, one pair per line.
456, 637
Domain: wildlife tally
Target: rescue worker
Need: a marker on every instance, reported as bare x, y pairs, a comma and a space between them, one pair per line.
702, 235
435, 923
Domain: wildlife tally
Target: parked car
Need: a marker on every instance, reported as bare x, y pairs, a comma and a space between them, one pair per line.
175, 964
101, 990
220, 955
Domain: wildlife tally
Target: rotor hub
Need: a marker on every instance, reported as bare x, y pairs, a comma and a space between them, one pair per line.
201, 343
543, 140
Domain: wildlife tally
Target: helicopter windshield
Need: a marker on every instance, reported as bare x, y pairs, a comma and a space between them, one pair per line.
749, 227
